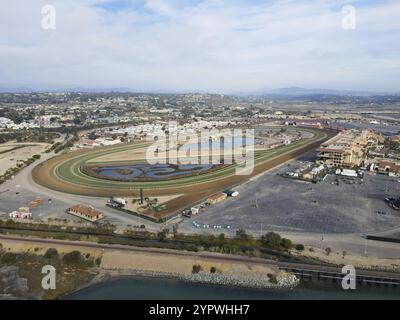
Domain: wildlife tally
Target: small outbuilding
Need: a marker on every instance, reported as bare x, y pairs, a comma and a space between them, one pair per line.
87, 213
218, 197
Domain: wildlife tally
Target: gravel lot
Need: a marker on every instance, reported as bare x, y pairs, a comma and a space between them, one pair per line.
10, 201
13, 199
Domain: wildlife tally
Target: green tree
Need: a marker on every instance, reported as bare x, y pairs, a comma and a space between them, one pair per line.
163, 234
286, 244
242, 235
271, 240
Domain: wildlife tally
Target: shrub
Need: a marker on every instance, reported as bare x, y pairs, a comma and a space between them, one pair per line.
90, 263
9, 258
299, 247
242, 235
51, 253
163, 234
213, 270
98, 261
272, 278
196, 269
73, 257
286, 244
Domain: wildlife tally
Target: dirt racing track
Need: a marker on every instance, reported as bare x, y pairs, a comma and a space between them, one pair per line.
64, 173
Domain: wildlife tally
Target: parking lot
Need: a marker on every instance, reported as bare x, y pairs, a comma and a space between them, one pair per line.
336, 205
16, 197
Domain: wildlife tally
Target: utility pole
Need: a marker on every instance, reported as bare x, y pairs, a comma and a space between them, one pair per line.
141, 196
365, 242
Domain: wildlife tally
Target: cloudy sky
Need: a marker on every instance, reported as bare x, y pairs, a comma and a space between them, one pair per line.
200, 45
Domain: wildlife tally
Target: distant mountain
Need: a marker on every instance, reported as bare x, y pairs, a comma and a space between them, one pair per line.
72, 89
15, 90
91, 90
297, 91
289, 92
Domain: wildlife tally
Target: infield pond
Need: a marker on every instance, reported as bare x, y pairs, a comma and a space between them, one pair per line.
154, 172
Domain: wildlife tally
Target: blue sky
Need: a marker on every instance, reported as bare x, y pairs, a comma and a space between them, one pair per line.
201, 45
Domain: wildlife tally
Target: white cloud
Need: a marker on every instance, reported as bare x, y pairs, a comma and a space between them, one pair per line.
209, 45
160, 7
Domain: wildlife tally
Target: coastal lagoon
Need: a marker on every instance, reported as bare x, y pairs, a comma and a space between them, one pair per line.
143, 288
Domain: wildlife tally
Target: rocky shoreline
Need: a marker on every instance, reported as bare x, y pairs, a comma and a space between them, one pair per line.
285, 281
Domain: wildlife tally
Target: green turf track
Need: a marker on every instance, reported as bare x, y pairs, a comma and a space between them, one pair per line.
69, 171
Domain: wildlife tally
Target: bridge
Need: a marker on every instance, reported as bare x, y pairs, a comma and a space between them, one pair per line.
325, 273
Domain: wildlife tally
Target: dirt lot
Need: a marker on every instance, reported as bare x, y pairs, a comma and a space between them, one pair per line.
12, 153
115, 260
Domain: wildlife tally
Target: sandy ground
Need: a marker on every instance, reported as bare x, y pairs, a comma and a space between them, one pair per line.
182, 265
11, 158
40, 248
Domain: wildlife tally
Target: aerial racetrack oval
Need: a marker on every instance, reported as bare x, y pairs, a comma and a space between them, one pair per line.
84, 172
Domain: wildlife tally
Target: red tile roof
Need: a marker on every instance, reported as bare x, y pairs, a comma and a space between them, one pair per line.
87, 211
